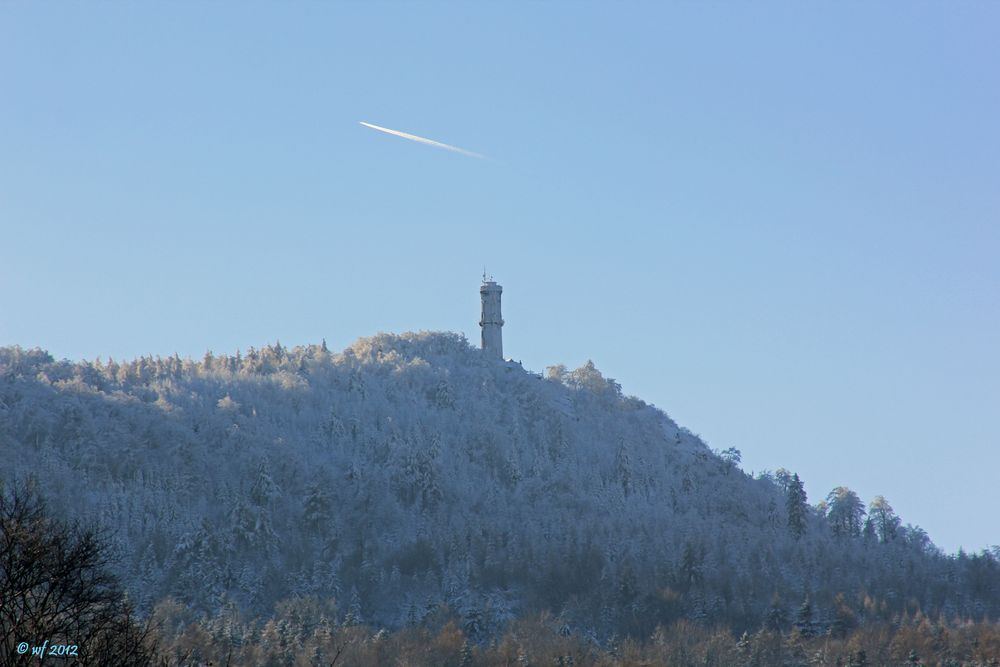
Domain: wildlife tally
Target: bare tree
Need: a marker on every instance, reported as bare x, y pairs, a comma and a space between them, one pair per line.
56, 587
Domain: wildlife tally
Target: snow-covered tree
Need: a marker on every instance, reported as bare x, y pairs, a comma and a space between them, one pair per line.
411, 468
845, 512
884, 519
795, 503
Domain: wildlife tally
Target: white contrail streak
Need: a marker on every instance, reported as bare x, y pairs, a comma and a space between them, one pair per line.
429, 142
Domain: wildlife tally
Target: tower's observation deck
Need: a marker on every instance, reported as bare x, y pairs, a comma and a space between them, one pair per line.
490, 320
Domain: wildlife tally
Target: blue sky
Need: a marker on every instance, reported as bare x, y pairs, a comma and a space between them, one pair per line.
776, 221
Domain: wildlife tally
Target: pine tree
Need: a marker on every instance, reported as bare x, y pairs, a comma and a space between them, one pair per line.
885, 519
845, 512
868, 532
691, 563
623, 468
264, 488
353, 616
796, 504
472, 623
627, 587
804, 619
776, 619
844, 618
317, 508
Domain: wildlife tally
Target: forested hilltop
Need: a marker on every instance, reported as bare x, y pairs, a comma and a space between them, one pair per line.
409, 477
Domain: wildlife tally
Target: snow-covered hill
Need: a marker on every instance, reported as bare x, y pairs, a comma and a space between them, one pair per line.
409, 471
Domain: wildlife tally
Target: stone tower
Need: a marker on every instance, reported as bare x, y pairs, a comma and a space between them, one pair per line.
490, 320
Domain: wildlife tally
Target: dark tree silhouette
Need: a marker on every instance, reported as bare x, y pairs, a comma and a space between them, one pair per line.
796, 504
55, 586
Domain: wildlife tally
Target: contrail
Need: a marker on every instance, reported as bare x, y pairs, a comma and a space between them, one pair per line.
429, 142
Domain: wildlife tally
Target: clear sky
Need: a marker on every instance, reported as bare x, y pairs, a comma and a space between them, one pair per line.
780, 223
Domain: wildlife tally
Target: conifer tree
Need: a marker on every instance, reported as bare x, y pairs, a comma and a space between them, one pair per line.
804, 623
885, 519
776, 617
845, 512
796, 504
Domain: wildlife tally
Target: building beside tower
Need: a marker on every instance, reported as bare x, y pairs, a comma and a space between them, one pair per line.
490, 320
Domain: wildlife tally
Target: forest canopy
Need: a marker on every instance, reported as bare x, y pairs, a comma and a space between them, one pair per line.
409, 474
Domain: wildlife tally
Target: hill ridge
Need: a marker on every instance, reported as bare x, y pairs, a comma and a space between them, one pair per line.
410, 472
